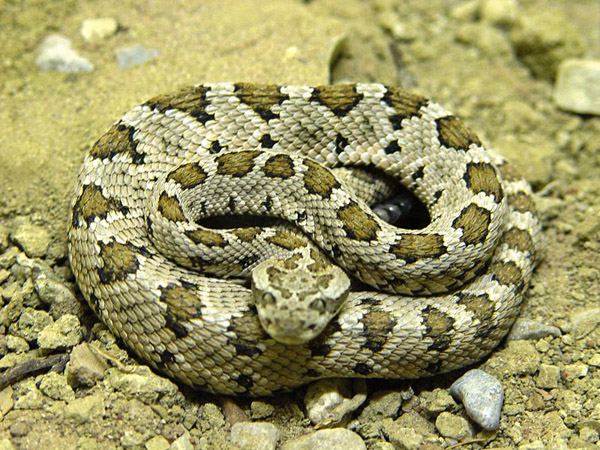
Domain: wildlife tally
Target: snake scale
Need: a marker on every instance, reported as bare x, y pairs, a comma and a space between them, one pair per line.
429, 300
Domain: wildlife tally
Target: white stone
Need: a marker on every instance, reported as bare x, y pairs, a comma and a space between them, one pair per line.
577, 86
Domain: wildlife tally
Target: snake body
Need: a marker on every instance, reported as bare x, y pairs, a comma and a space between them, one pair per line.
437, 299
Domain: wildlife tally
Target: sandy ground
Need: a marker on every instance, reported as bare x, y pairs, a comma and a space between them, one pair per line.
458, 53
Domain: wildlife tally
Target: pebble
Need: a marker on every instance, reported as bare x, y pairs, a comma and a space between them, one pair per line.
30, 396
84, 368
93, 30
33, 239
527, 329
5, 444
577, 87
437, 401
518, 358
142, 384
454, 427
543, 38
255, 435
330, 401
260, 409
498, 12
6, 401
583, 322
547, 377
134, 56
403, 437
157, 443
382, 404
16, 344
575, 370
56, 54
66, 332
334, 439
182, 442
19, 429
85, 409
482, 396
31, 323
4, 234
54, 385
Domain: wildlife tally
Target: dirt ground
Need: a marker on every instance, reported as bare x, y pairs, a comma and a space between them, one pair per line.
493, 63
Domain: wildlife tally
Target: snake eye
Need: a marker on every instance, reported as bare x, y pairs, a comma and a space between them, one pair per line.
318, 305
268, 298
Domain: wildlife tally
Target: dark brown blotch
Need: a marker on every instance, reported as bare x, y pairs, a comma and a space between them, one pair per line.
474, 222
378, 327
506, 273
319, 180
118, 261
188, 176
438, 327
279, 166
117, 140
482, 177
90, 204
170, 208
454, 134
261, 98
518, 239
286, 240
521, 202
405, 103
480, 306
413, 247
236, 164
206, 237
340, 99
357, 224
182, 301
191, 100
246, 234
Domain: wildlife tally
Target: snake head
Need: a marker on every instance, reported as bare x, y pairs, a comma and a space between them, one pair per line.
296, 297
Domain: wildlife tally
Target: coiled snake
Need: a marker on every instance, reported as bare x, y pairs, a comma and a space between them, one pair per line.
437, 298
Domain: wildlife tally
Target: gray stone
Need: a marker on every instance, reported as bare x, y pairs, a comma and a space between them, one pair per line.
548, 376
84, 368
93, 30
577, 87
134, 56
64, 333
455, 427
482, 396
56, 54
334, 439
255, 435
531, 330
55, 386
85, 409
33, 239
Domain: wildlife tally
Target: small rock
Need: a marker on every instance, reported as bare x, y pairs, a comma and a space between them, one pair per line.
255, 435
414, 421
543, 38
404, 438
518, 358
142, 384
52, 291
29, 396
85, 409
436, 402
334, 439
482, 396
261, 410
56, 54
577, 86
330, 401
595, 360
6, 401
210, 417
5, 444
16, 344
583, 322
33, 239
64, 333
84, 368
531, 330
498, 12
97, 29
488, 40
55, 386
182, 442
19, 429
4, 274
452, 426
573, 371
157, 443
547, 377
31, 323
382, 404
4, 234
134, 56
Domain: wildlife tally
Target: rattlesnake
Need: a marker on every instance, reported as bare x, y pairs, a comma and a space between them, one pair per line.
441, 297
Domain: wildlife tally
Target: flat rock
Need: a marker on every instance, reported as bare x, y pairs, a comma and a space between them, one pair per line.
335, 439
134, 56
577, 87
33, 239
64, 333
255, 435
